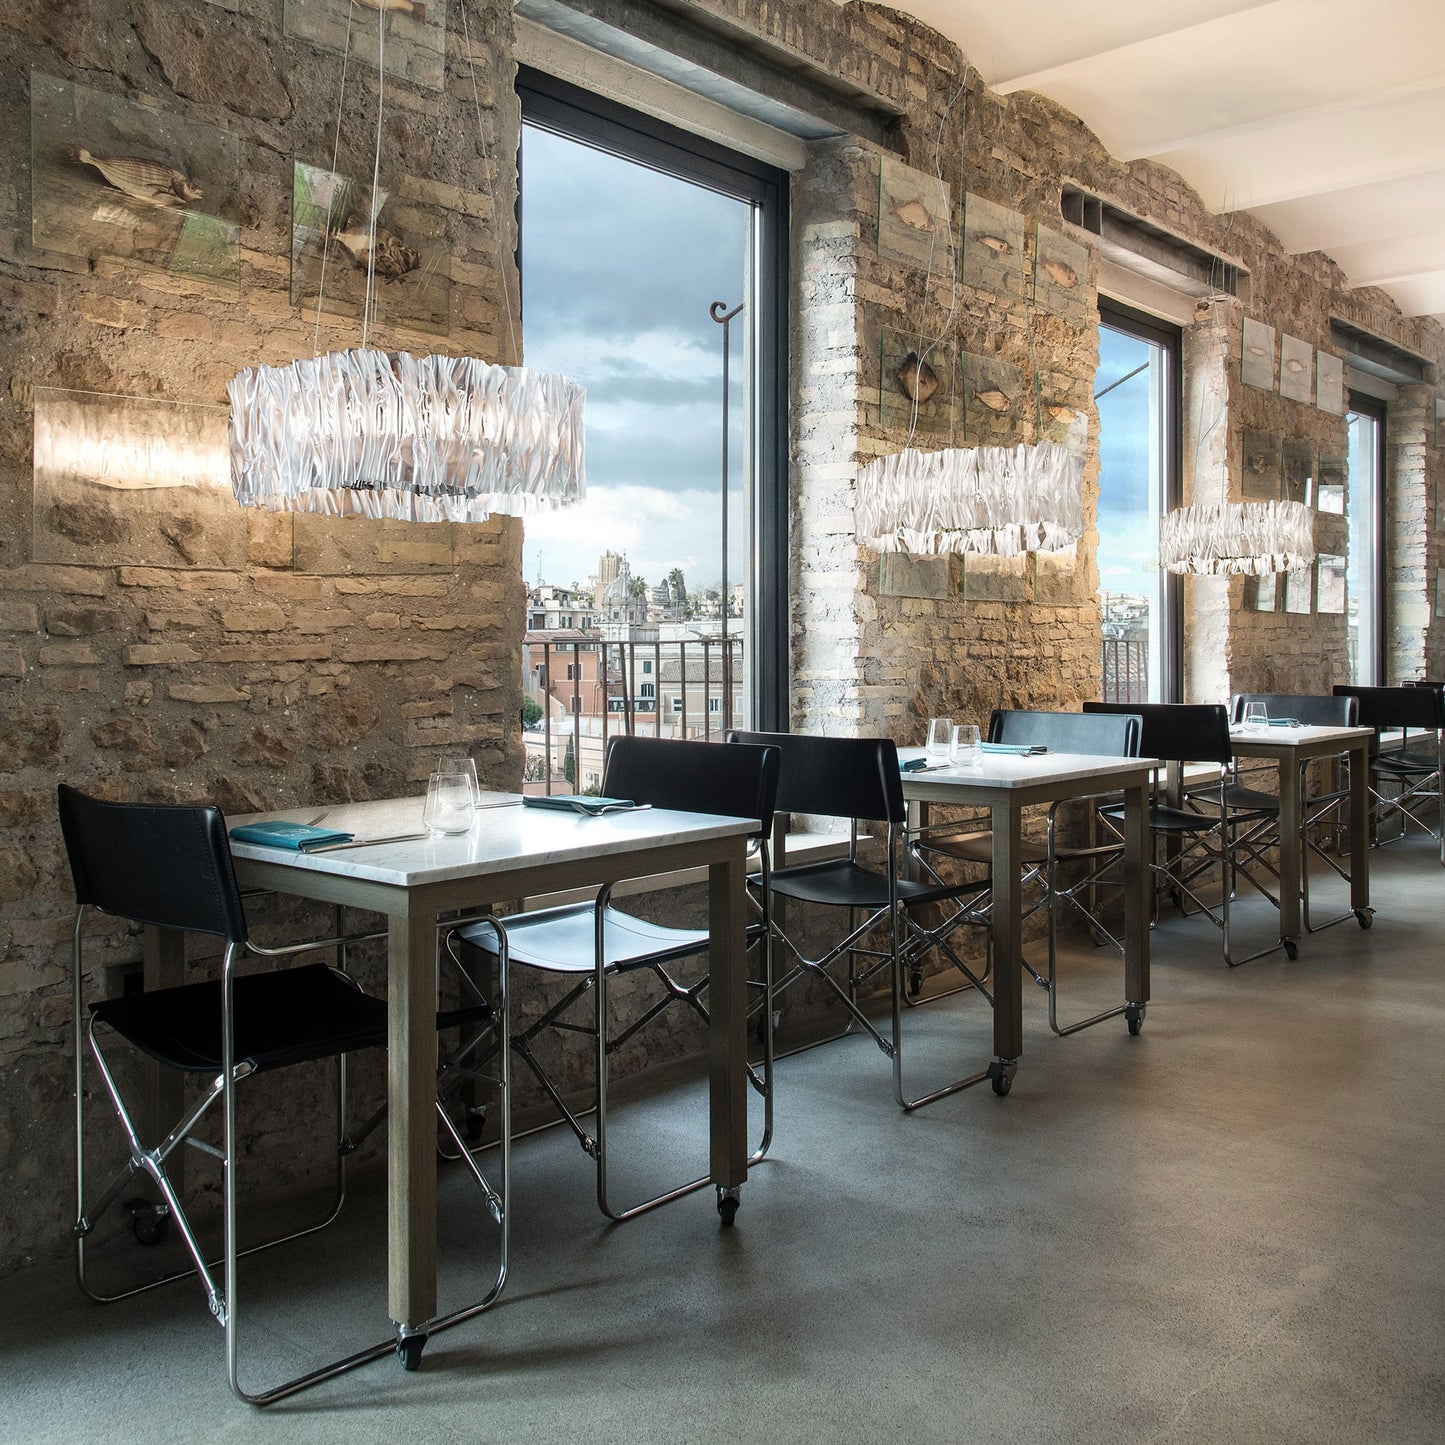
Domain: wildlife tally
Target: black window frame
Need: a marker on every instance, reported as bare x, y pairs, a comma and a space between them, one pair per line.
1119, 317
606, 125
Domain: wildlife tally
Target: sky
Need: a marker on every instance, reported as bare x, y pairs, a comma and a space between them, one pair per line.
1128, 544
619, 266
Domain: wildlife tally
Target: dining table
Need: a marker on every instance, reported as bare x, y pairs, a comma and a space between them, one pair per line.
1292, 747
1005, 783
392, 866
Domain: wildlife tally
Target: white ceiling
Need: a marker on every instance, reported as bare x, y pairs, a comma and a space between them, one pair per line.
1324, 118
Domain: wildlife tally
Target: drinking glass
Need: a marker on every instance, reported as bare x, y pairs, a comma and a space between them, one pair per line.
964, 750
461, 763
1256, 716
940, 739
450, 803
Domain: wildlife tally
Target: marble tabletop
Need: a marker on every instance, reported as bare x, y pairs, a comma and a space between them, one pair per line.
504, 835
1240, 735
1014, 770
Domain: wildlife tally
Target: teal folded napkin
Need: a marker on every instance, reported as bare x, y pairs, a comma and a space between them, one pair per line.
299, 837
581, 803
1022, 750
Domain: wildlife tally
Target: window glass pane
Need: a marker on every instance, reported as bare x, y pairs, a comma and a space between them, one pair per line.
1362, 577
1131, 394
621, 262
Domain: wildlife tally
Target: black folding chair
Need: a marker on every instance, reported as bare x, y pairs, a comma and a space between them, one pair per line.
1320, 812
1098, 734
859, 779
169, 866
591, 943
1196, 842
1413, 767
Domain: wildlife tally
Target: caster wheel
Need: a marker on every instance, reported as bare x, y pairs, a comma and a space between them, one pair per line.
1365, 916
408, 1351
915, 983
1291, 949
1002, 1083
727, 1206
1134, 1018
150, 1223
476, 1123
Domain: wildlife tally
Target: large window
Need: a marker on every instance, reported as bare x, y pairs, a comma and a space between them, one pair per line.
1136, 391
634, 236
1364, 509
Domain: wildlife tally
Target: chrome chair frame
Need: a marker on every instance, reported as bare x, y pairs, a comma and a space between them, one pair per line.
880, 898
636, 769
222, 913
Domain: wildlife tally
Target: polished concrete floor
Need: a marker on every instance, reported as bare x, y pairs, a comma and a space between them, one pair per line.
1227, 1229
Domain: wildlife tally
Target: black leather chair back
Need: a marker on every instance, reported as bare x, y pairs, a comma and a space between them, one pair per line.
694, 777
1397, 707
1339, 711
835, 777
1178, 732
1114, 735
160, 863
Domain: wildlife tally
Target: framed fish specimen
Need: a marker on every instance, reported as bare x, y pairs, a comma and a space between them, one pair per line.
1299, 591
133, 480
992, 391
1330, 474
1440, 592
1260, 465
1296, 369
1440, 423
1257, 358
913, 216
993, 248
1298, 471
1061, 277
1330, 584
1262, 592
114, 177
334, 245
1329, 383
416, 31
915, 386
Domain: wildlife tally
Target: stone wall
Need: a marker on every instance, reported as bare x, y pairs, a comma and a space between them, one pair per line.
261, 660
252, 659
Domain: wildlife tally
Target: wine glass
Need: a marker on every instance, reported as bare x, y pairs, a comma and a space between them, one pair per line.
450, 803
1256, 716
462, 763
940, 739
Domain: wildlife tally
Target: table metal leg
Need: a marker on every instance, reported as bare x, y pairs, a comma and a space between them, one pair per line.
727, 1038
1360, 833
1007, 901
411, 1131
1138, 888
1290, 844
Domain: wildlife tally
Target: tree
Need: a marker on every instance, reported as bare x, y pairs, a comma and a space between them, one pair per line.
531, 711
569, 764
637, 587
677, 585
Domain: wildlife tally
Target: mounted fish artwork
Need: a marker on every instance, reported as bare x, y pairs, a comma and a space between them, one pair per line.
1296, 370
913, 216
991, 400
416, 30
915, 393
993, 248
1261, 457
1257, 356
1061, 277
118, 179
335, 246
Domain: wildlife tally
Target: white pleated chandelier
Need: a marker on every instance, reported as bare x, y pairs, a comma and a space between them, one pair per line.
1249, 539
1000, 501
388, 435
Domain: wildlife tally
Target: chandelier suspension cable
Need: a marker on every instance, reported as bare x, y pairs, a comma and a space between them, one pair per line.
368, 309
923, 352
331, 188
515, 355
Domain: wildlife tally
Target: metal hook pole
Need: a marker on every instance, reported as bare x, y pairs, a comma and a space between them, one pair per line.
719, 313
